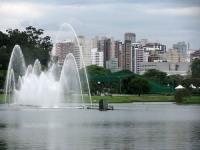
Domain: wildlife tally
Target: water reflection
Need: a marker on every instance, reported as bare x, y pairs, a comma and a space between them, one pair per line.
129, 126
3, 145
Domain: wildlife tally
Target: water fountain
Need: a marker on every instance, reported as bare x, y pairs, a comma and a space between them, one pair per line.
49, 88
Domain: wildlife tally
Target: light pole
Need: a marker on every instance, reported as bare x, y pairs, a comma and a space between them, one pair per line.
158, 78
93, 76
119, 84
108, 79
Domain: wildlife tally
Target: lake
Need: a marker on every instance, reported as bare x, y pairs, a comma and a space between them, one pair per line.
128, 126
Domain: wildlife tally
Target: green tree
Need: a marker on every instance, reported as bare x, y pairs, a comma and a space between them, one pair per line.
94, 87
156, 75
139, 86
33, 45
3, 39
181, 94
2, 78
125, 82
187, 82
175, 80
123, 71
195, 82
30, 37
195, 68
94, 69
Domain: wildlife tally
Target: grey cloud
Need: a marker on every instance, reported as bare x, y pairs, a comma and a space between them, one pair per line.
176, 3
148, 19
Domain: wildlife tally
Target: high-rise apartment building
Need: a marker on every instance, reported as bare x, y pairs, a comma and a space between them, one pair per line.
117, 51
112, 49
107, 51
94, 42
181, 47
96, 57
62, 49
130, 36
137, 56
84, 49
100, 44
126, 56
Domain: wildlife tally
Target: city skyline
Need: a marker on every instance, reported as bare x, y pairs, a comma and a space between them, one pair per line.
166, 22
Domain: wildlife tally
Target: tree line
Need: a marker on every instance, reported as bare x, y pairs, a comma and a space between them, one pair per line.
133, 84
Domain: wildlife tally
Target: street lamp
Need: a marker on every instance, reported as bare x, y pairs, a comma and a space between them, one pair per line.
172, 82
99, 83
119, 84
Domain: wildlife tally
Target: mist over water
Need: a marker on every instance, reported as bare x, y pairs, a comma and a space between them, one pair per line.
52, 87
44, 88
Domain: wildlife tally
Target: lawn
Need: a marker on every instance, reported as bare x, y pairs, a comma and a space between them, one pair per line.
1, 98
114, 99
132, 98
192, 100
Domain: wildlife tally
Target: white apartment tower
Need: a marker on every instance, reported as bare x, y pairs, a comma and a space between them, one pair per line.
85, 48
96, 57
137, 56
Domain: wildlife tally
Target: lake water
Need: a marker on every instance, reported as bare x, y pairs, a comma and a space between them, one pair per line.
130, 126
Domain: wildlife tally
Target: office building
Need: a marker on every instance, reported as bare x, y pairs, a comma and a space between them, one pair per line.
169, 67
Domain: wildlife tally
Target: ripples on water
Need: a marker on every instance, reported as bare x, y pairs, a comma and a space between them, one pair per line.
129, 126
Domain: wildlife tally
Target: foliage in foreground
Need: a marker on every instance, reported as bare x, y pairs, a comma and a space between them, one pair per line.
195, 68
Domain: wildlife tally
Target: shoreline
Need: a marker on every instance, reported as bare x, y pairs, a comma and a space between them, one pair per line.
131, 98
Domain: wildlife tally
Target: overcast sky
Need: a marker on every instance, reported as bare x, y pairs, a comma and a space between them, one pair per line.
164, 21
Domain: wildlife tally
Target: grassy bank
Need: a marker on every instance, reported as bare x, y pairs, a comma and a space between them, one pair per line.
192, 100
1, 98
133, 98
130, 99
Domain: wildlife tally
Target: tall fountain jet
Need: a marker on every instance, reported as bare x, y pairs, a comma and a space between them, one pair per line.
50, 88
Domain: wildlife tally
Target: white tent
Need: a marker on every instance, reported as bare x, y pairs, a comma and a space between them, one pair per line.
192, 86
179, 87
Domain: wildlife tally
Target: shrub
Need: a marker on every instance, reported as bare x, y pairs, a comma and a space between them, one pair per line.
181, 94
